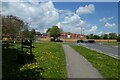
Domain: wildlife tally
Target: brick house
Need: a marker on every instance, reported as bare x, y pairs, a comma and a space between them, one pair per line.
71, 35
63, 35
37, 36
7, 37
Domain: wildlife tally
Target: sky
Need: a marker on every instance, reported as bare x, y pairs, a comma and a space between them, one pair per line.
90, 17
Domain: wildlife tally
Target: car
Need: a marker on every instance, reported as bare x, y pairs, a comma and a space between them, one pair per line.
80, 41
58, 40
91, 41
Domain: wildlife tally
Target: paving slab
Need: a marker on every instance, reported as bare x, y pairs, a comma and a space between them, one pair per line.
78, 66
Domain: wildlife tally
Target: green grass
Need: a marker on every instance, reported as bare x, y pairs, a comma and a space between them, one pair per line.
50, 63
51, 57
111, 43
106, 65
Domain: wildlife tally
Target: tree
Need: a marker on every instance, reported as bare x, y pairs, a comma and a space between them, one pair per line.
118, 37
54, 31
69, 33
91, 36
112, 36
87, 37
48, 30
25, 33
96, 37
105, 36
12, 25
32, 34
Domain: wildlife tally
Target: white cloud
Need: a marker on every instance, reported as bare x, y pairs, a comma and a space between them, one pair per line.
88, 9
21, 0
59, 24
39, 15
110, 25
10, 0
93, 28
72, 23
105, 19
42, 16
100, 33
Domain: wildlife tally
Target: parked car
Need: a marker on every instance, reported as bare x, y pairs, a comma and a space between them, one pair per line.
91, 41
52, 40
80, 41
58, 40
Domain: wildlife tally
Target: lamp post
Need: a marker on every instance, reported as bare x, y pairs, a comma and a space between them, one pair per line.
82, 32
108, 38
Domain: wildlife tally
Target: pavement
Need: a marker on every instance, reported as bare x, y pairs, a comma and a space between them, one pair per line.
78, 66
99, 47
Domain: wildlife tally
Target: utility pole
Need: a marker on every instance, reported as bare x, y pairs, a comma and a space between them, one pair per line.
81, 30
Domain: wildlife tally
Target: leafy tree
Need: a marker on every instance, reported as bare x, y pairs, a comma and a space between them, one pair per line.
69, 33
112, 36
0, 27
25, 33
12, 25
48, 30
54, 31
96, 37
105, 36
32, 34
88, 37
118, 37
91, 36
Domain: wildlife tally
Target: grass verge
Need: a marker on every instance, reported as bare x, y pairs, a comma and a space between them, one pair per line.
106, 65
50, 63
51, 57
111, 43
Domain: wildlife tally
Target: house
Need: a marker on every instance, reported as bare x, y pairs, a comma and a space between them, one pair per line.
37, 36
7, 37
45, 35
72, 35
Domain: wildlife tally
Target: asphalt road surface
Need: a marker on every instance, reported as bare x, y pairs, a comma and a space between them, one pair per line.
108, 50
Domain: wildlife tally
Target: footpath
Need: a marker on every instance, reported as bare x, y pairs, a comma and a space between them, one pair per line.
78, 66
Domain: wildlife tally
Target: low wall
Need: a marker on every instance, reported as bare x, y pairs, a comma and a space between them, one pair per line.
75, 40
105, 40
69, 40
44, 39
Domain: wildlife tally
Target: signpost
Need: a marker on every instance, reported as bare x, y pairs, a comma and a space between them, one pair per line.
27, 44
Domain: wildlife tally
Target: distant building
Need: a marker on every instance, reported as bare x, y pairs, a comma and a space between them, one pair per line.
63, 35
37, 36
72, 35
7, 37
45, 35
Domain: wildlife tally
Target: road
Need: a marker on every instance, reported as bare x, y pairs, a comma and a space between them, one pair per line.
108, 50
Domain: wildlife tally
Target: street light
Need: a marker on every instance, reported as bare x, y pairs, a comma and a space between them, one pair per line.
82, 32
108, 38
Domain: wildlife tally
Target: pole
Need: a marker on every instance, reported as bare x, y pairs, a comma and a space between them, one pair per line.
81, 33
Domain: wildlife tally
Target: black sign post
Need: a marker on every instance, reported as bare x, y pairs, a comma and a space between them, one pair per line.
27, 44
